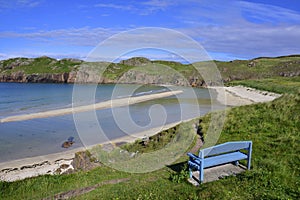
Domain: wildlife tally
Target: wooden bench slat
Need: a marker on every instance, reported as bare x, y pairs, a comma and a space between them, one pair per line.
223, 159
226, 147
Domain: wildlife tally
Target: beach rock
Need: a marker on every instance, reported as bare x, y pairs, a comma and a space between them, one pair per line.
83, 161
70, 141
67, 144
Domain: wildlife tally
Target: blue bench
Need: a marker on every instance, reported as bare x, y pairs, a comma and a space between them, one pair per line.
229, 152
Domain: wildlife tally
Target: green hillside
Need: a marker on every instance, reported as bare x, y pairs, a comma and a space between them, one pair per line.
259, 68
38, 65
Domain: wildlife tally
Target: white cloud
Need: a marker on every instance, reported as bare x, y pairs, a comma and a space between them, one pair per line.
28, 3
81, 36
33, 54
114, 6
268, 13
243, 29
140, 7
251, 40
14, 4
159, 4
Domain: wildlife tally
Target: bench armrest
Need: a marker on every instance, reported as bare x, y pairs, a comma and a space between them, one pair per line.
193, 156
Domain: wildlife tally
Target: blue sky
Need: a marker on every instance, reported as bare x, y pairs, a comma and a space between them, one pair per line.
227, 31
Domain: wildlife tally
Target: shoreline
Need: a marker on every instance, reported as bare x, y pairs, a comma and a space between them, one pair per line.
48, 164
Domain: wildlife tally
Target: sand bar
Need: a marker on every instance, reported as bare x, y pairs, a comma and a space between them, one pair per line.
97, 106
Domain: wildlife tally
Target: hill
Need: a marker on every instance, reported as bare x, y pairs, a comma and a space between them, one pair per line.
143, 71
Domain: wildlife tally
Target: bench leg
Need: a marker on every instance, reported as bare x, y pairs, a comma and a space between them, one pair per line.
249, 156
201, 174
191, 172
236, 163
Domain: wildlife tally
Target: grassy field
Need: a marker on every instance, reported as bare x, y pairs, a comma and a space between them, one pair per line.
279, 84
273, 127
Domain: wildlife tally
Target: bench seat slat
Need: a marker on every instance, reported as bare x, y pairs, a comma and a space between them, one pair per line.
224, 158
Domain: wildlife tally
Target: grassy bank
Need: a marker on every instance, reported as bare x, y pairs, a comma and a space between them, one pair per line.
277, 84
273, 127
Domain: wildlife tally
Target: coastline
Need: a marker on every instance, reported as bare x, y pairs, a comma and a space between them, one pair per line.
48, 164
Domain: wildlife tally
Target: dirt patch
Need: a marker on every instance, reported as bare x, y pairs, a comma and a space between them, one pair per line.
196, 147
80, 191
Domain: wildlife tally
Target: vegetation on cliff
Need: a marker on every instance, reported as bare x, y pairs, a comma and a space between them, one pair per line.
143, 71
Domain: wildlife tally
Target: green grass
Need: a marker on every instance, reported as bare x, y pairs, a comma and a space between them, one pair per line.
115, 71
274, 129
38, 65
279, 84
153, 143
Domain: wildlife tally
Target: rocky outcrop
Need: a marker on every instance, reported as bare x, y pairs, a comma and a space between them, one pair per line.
130, 77
15, 63
14, 77
83, 160
137, 77
289, 74
136, 61
18, 70
20, 77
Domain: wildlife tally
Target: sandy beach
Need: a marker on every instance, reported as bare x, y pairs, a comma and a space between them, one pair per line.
240, 95
48, 164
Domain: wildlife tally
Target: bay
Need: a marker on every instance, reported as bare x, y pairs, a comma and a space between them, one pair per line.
43, 136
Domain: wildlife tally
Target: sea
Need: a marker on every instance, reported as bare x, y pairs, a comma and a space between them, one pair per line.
36, 137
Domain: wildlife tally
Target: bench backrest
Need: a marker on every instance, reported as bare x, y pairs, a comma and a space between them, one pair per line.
225, 147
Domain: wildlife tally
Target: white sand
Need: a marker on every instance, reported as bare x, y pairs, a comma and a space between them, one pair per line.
240, 95
40, 165
97, 106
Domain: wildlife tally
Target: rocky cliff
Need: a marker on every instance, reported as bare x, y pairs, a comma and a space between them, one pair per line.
20, 77
141, 71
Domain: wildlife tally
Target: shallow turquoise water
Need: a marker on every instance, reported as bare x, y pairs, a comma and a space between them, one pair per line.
43, 136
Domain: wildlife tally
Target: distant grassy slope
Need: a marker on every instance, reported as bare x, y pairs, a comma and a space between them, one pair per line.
277, 84
38, 65
259, 68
